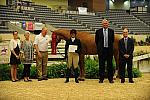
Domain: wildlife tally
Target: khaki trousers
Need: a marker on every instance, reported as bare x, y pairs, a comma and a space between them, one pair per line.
73, 59
42, 64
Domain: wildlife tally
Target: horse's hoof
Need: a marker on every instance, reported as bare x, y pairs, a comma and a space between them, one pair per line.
81, 79
116, 77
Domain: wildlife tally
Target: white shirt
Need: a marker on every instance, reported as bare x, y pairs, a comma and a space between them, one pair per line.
72, 39
42, 42
13, 44
125, 38
105, 33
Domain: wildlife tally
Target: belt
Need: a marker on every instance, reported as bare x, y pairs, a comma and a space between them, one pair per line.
105, 47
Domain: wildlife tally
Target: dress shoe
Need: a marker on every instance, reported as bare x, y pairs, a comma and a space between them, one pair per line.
122, 80
67, 80
76, 80
29, 80
39, 79
100, 81
13, 80
26, 80
131, 81
44, 78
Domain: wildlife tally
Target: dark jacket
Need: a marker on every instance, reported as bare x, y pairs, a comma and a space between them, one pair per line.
76, 42
122, 49
99, 39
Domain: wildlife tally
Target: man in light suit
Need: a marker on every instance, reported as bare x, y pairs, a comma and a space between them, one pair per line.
126, 48
104, 40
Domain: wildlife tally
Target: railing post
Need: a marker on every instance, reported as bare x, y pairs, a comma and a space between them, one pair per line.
138, 64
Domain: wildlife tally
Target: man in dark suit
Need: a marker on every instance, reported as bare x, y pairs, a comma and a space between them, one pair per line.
104, 39
126, 48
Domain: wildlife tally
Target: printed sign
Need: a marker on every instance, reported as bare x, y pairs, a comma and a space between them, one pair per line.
82, 10
38, 26
29, 26
4, 52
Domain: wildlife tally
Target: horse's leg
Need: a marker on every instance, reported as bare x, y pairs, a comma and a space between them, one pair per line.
116, 56
81, 65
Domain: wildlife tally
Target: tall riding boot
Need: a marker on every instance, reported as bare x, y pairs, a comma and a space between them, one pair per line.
68, 71
76, 75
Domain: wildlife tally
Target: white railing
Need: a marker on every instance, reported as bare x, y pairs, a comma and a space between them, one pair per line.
141, 57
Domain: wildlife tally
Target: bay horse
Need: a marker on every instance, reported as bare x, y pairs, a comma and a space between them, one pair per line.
88, 47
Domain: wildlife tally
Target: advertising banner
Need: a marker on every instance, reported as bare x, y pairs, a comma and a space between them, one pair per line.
82, 10
4, 52
29, 26
38, 26
24, 25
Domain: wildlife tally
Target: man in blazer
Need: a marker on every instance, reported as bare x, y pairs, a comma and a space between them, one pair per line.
73, 56
104, 40
126, 48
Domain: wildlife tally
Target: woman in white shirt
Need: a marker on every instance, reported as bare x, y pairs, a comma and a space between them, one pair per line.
14, 57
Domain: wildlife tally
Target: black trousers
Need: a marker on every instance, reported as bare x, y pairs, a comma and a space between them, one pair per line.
26, 70
106, 56
122, 66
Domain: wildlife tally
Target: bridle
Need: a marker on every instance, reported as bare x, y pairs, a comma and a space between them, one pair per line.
57, 41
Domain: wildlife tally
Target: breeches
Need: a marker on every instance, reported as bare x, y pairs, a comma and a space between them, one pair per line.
73, 60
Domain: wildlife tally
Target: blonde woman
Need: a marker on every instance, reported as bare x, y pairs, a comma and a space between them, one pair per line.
14, 57
27, 50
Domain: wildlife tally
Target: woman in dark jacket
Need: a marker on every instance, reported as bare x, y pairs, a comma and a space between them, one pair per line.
72, 50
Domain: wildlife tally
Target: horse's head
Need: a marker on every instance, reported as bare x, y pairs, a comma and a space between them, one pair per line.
58, 38
61, 35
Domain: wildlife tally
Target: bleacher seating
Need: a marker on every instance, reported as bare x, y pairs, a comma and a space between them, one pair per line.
123, 19
4, 28
89, 23
58, 20
93, 21
143, 16
9, 14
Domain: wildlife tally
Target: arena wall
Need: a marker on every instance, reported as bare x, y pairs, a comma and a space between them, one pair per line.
54, 4
2, 2
120, 4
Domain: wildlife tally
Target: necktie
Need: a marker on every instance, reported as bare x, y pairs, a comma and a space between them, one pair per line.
105, 38
125, 43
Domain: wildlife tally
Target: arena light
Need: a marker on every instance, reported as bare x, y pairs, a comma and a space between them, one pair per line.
113, 1
126, 2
